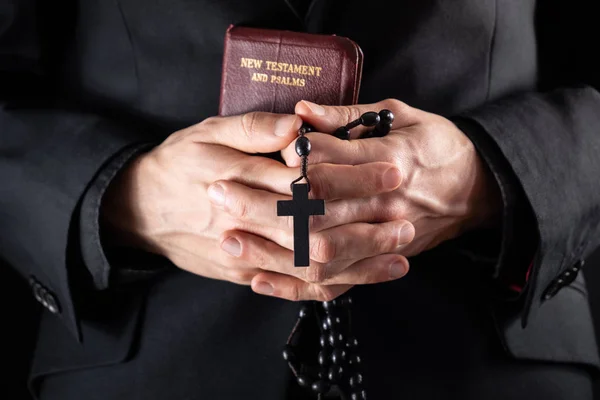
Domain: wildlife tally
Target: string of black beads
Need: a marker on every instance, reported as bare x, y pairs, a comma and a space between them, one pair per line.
382, 122
303, 148
338, 362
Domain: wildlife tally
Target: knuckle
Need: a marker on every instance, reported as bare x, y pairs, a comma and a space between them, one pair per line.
199, 131
348, 113
178, 135
391, 210
209, 123
316, 273
314, 223
324, 293
240, 209
295, 294
249, 123
261, 259
395, 106
387, 238
239, 276
319, 187
289, 221
324, 250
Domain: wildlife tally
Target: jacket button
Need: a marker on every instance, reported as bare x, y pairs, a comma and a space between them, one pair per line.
37, 291
43, 296
51, 303
564, 279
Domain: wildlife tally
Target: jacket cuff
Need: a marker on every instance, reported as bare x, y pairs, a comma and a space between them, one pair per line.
517, 240
107, 264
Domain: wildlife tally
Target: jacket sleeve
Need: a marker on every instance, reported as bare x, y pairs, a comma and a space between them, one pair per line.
551, 140
49, 153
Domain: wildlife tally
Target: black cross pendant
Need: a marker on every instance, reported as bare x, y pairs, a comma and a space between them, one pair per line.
301, 208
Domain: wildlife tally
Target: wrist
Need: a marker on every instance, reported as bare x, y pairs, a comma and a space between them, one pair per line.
486, 202
123, 211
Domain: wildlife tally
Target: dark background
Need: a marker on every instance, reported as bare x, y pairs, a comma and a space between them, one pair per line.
18, 326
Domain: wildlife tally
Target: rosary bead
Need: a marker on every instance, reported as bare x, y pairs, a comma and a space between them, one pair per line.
303, 146
335, 373
333, 322
321, 387
306, 128
356, 360
382, 129
323, 340
386, 116
370, 118
304, 312
362, 395
352, 343
354, 124
303, 381
288, 354
355, 381
346, 301
323, 355
325, 326
335, 339
342, 133
329, 305
338, 356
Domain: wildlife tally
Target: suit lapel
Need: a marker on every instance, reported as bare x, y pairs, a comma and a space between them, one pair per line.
302, 9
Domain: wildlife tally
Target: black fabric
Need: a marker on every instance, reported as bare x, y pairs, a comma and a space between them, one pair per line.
519, 237
75, 95
111, 264
17, 336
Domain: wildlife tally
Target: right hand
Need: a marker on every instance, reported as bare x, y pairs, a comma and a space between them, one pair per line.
200, 189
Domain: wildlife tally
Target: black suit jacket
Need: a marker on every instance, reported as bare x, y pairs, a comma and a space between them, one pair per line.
85, 84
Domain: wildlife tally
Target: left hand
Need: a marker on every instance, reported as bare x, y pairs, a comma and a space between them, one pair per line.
446, 187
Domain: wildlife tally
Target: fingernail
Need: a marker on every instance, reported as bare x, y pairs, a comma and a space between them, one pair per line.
397, 270
314, 108
216, 194
283, 125
392, 178
406, 234
232, 246
264, 288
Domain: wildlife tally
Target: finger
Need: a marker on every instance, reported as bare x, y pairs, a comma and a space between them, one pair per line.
327, 181
197, 255
337, 249
378, 269
255, 132
245, 250
328, 118
329, 149
354, 242
332, 181
294, 289
256, 209
383, 268
290, 288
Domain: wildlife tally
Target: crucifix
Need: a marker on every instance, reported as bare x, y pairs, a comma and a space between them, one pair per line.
337, 376
300, 208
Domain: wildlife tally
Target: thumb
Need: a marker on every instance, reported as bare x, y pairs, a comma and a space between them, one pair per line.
328, 118
255, 132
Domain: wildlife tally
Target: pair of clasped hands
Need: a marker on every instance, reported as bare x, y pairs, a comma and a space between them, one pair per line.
207, 201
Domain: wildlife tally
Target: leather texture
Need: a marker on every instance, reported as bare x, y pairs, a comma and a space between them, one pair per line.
271, 70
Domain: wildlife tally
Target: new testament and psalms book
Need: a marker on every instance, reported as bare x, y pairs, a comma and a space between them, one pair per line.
271, 70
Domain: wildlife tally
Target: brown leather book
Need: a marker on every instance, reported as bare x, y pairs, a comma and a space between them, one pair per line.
271, 70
